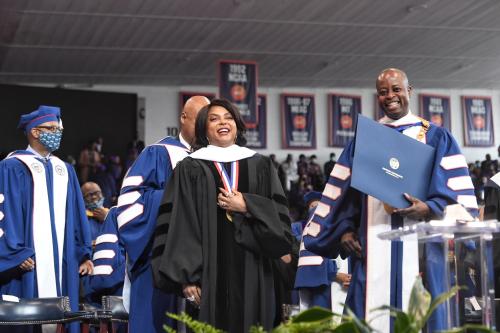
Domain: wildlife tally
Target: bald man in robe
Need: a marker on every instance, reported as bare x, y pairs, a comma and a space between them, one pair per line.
137, 209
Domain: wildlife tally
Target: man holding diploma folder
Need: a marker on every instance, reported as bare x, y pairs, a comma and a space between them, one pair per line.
347, 221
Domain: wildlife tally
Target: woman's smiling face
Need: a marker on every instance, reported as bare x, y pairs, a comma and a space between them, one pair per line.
221, 127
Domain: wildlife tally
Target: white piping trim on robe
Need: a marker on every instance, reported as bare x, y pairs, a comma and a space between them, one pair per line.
175, 153
128, 198
129, 214
2, 198
468, 201
104, 254
102, 270
453, 162
60, 177
106, 238
460, 183
1, 215
132, 181
322, 209
332, 191
378, 274
340, 172
42, 234
310, 261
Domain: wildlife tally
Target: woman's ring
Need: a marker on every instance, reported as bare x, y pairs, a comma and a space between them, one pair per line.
190, 298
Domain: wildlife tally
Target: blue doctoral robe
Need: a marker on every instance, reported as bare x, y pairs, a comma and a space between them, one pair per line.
343, 209
315, 274
137, 210
109, 263
17, 211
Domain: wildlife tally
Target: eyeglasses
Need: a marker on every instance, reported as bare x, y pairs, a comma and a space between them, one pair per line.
52, 129
92, 194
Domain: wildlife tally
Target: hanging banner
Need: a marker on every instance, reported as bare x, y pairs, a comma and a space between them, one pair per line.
436, 109
379, 112
257, 135
342, 116
298, 121
185, 95
478, 121
238, 84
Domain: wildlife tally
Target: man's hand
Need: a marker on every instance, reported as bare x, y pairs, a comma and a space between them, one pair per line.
417, 210
87, 267
350, 243
192, 293
343, 279
27, 265
100, 213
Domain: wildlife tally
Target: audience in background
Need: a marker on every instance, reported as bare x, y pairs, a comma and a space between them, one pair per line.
328, 166
88, 160
95, 209
315, 175
290, 170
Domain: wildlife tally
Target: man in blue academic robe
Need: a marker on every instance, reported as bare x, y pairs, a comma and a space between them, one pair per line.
137, 209
44, 235
347, 222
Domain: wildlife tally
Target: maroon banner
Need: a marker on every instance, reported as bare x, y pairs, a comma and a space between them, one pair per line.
343, 113
185, 95
257, 135
478, 121
298, 121
238, 84
379, 112
436, 109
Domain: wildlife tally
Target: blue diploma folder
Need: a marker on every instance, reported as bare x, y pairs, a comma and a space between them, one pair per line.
387, 164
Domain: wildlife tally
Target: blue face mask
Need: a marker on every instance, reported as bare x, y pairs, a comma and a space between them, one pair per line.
51, 141
94, 205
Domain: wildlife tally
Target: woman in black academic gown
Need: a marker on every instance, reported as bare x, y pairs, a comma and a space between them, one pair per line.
228, 224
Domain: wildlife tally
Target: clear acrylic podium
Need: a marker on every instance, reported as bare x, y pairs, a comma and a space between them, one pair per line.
454, 236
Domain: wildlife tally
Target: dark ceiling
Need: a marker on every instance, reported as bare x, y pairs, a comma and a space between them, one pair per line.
313, 43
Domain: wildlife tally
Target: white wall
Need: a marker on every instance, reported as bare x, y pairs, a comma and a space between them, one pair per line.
162, 107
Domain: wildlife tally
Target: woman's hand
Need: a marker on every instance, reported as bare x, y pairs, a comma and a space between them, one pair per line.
192, 293
233, 202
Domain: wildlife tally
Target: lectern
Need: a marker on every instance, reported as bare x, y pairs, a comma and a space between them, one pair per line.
453, 236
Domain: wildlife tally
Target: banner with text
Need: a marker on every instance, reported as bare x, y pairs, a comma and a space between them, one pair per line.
257, 135
436, 109
185, 95
238, 84
342, 116
478, 121
298, 121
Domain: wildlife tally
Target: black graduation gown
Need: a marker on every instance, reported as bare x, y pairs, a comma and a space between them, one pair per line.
492, 212
231, 261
